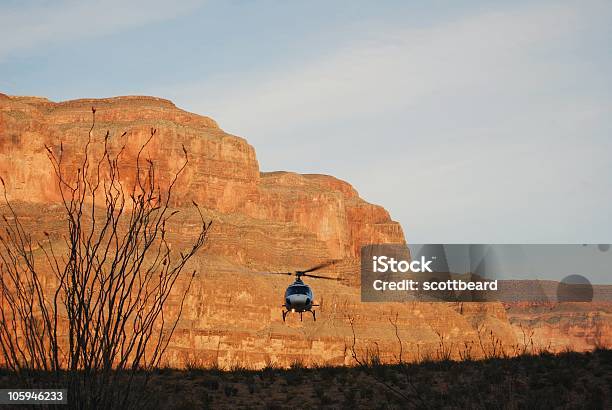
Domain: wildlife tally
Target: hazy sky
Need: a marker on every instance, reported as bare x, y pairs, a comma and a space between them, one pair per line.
470, 122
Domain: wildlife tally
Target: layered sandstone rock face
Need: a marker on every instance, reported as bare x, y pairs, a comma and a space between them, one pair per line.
275, 221
222, 174
559, 326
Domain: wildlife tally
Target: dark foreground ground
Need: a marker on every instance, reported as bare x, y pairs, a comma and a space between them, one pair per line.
568, 380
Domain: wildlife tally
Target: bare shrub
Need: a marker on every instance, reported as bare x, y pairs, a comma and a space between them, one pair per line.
98, 313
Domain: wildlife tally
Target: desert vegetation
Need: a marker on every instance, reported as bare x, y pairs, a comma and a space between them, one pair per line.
97, 308
545, 380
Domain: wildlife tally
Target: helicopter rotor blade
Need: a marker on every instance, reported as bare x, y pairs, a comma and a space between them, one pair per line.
321, 266
279, 273
321, 277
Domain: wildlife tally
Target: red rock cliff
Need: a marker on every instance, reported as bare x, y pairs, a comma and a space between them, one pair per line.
264, 221
223, 173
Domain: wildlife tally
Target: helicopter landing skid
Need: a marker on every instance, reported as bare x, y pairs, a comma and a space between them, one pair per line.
314, 315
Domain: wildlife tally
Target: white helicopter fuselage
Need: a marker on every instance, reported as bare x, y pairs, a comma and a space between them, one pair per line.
298, 297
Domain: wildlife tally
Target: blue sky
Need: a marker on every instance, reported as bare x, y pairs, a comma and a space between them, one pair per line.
478, 122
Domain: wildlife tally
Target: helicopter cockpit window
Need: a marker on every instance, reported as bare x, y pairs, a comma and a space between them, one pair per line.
297, 290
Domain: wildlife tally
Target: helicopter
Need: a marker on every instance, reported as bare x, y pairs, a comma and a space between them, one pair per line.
299, 297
